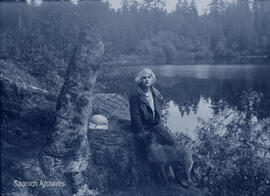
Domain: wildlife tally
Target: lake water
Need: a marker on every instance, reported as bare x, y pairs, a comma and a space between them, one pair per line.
196, 91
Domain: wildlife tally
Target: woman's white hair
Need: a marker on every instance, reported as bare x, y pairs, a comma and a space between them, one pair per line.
145, 71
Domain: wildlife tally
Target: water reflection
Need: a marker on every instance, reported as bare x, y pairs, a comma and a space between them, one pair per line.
185, 119
207, 71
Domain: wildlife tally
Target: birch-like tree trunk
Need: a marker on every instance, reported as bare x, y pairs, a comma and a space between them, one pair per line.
67, 153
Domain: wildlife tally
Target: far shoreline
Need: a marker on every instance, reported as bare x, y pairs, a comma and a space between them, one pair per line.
143, 64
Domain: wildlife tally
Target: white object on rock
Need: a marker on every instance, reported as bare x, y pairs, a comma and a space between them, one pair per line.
98, 122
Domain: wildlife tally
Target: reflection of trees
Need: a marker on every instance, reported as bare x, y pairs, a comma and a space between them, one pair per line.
229, 91
186, 92
222, 92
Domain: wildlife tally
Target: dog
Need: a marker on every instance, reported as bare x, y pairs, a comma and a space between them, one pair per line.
162, 156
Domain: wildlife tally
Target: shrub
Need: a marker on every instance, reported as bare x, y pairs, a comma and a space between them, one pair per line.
233, 150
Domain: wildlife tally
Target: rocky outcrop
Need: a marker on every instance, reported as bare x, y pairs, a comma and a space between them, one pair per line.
28, 112
113, 106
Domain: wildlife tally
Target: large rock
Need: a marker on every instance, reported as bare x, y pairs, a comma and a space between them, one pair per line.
27, 112
113, 106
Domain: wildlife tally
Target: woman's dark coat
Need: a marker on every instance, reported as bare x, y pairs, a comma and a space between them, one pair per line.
142, 121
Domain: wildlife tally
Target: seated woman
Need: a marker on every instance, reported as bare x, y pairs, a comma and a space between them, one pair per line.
145, 110
152, 137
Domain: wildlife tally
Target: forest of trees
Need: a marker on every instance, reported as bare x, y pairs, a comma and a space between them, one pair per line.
139, 32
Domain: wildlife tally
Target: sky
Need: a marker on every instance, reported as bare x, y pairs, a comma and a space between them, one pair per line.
170, 4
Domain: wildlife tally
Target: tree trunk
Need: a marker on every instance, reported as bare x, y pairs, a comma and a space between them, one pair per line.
66, 156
